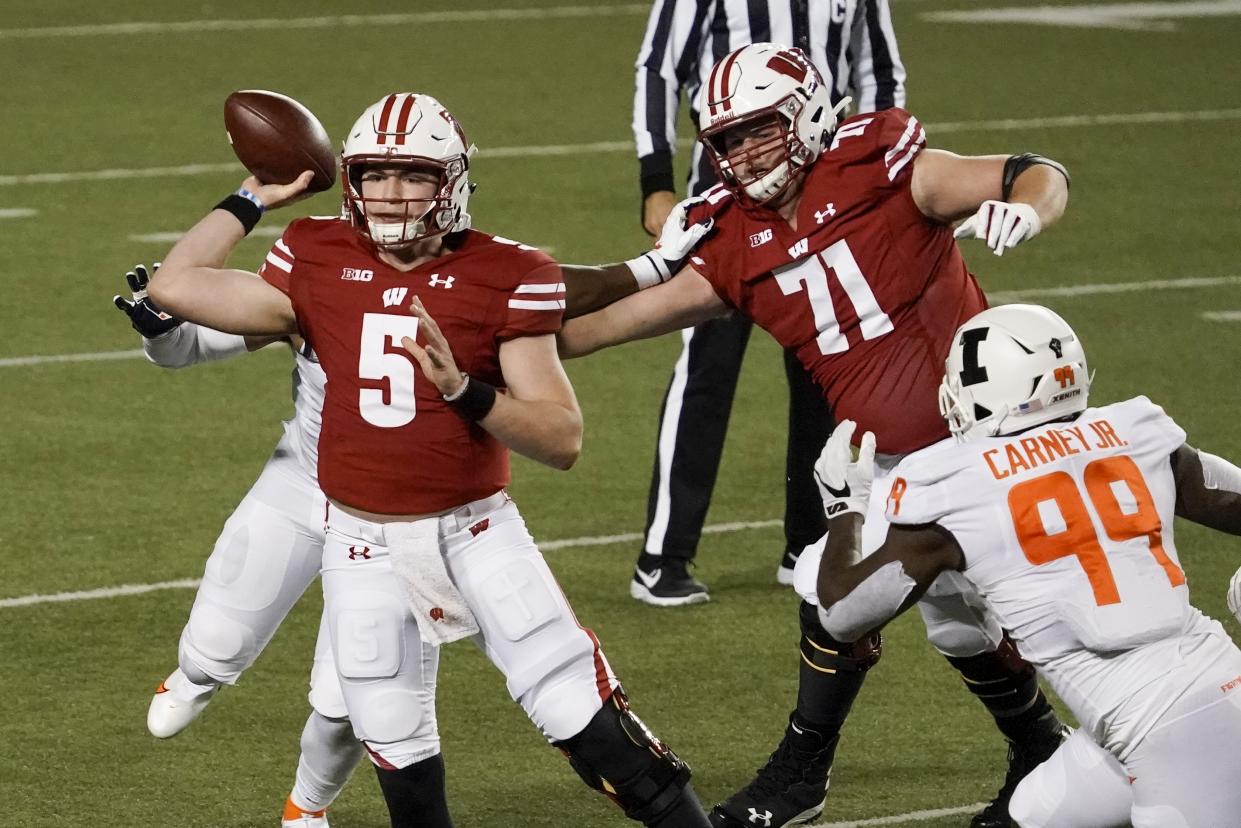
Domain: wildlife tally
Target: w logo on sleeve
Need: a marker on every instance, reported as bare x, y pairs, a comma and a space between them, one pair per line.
394, 296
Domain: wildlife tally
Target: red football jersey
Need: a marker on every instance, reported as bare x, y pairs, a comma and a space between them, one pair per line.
390, 444
868, 290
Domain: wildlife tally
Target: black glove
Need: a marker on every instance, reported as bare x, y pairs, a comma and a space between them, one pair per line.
144, 315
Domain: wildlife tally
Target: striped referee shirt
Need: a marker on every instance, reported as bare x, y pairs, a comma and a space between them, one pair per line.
851, 42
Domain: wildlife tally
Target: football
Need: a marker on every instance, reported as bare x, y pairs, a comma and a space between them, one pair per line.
276, 138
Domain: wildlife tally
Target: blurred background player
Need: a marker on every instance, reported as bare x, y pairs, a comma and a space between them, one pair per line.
423, 545
268, 553
839, 242
852, 43
1062, 515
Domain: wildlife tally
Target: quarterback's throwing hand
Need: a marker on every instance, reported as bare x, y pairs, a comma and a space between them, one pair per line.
147, 317
844, 484
1003, 225
436, 357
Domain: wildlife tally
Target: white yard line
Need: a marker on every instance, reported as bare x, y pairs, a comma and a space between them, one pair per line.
192, 583
1222, 316
330, 22
17, 212
999, 296
597, 147
1135, 16
904, 819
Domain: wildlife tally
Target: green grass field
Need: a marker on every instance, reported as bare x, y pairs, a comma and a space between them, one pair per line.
114, 472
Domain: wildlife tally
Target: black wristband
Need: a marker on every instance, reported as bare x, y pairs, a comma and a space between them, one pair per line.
655, 173
242, 209
475, 400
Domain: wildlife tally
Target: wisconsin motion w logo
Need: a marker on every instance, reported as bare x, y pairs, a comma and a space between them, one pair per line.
394, 296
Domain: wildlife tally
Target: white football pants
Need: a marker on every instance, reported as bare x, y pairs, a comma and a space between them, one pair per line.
554, 666
1182, 774
956, 617
269, 551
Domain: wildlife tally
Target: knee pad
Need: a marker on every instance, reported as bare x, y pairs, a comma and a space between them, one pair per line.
617, 755
214, 643
825, 654
562, 704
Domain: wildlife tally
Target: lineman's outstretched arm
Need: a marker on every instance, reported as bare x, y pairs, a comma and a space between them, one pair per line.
1208, 489
858, 595
193, 285
1008, 199
679, 303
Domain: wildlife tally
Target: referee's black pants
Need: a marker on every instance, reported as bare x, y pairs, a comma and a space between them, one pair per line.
693, 423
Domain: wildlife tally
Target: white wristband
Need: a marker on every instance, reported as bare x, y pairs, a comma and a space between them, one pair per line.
189, 344
648, 270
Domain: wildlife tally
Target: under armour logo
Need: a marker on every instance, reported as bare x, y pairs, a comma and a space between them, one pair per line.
394, 296
827, 212
437, 614
438, 281
763, 819
481, 526
356, 552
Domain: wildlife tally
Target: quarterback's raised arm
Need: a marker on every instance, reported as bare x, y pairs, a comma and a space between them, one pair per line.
1007, 199
193, 284
684, 301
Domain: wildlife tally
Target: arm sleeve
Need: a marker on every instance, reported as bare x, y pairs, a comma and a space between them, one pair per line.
667, 59
878, 76
536, 304
189, 344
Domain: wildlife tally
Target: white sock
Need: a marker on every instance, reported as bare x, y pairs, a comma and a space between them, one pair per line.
330, 752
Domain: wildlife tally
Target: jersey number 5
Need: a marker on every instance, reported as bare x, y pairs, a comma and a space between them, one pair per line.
812, 273
1046, 537
390, 407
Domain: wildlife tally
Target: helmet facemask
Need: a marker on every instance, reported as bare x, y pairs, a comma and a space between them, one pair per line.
420, 218
759, 172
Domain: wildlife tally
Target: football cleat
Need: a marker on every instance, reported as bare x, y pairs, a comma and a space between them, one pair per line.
1022, 758
790, 789
176, 703
295, 817
665, 582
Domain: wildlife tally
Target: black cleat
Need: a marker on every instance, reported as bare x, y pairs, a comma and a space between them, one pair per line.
789, 790
1022, 758
665, 582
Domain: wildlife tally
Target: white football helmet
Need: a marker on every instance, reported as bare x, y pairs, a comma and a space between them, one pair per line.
766, 82
408, 128
1012, 367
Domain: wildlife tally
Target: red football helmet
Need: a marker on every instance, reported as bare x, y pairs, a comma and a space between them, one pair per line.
415, 130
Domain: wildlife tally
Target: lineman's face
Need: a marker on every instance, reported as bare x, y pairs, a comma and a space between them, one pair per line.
754, 147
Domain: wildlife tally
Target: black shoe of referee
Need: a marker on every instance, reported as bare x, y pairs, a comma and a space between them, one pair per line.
665, 582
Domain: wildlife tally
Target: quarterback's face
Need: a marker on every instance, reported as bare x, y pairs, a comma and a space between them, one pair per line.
389, 191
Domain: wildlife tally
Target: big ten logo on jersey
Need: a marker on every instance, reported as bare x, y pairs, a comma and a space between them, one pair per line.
761, 237
353, 274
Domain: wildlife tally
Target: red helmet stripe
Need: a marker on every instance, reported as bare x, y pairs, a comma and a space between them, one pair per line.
403, 119
384, 114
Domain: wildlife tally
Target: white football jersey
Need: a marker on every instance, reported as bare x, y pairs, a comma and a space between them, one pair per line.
302, 431
1067, 532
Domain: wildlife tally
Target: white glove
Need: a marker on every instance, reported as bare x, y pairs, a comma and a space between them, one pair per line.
1003, 224
676, 242
844, 484
1234, 594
